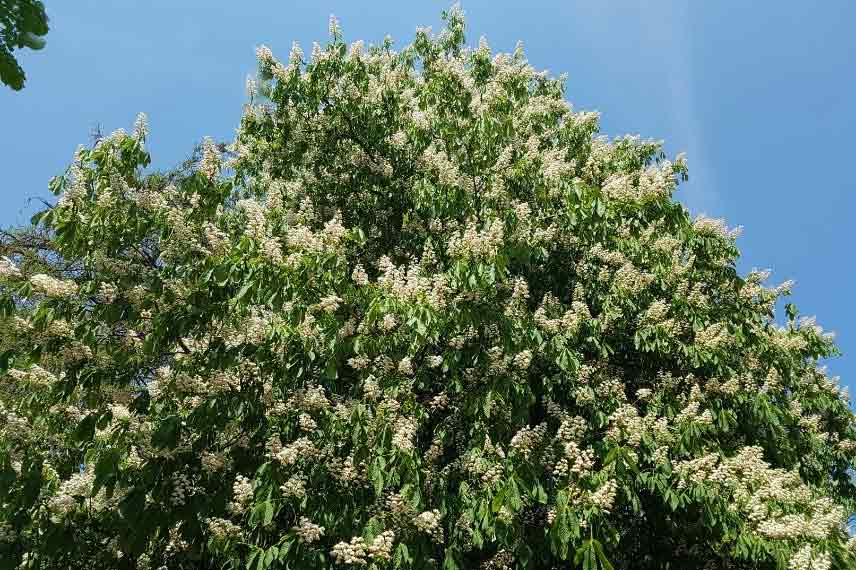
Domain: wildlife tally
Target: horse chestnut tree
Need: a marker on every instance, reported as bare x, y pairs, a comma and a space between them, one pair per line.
416, 315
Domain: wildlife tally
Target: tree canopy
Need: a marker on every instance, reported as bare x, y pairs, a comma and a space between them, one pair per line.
418, 314
23, 23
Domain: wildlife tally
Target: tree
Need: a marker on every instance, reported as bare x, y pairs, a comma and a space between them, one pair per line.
417, 315
23, 23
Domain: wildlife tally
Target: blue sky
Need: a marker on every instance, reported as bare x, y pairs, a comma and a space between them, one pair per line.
759, 94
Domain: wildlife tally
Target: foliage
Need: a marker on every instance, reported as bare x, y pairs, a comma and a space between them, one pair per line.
22, 24
418, 315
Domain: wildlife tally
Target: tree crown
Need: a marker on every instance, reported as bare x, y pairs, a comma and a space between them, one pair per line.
417, 315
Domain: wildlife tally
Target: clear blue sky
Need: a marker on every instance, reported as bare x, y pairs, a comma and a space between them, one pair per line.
759, 94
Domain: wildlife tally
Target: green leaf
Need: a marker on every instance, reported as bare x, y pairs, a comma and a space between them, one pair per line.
377, 477
402, 556
498, 499
582, 552
85, 430
106, 470
166, 434
563, 530
611, 456
254, 555
449, 561
243, 291
270, 556
331, 372
791, 311
604, 563
268, 513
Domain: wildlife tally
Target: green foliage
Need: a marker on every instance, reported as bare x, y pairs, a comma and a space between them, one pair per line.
22, 24
417, 315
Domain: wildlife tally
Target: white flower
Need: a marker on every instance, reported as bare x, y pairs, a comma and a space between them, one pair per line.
107, 292
264, 55
715, 228
353, 553
360, 276
523, 359
209, 166
307, 531
295, 56
334, 27
141, 127
330, 303
53, 287
405, 366
8, 268
389, 322
381, 546
293, 488
429, 523
306, 422
242, 493
222, 529
643, 393
404, 433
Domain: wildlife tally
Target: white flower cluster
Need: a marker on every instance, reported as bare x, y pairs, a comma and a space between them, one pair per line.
389, 322
107, 292
710, 227
213, 462
8, 269
301, 448
653, 183
14, 427
360, 362
713, 337
765, 494
360, 276
625, 424
429, 523
329, 304
78, 486
527, 439
409, 283
242, 494
181, 488
350, 553
34, 375
308, 532
294, 488
381, 547
577, 462
60, 328
405, 366
571, 428
404, 433
523, 359
209, 166
631, 280
604, 496
805, 559
222, 529
477, 243
53, 287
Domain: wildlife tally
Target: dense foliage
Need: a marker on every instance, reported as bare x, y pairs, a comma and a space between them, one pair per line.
418, 315
23, 23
